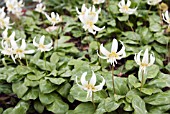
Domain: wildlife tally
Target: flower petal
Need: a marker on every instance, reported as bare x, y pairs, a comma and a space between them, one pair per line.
23, 45
79, 84
152, 59
29, 51
93, 79
145, 57
128, 3
101, 56
114, 46
42, 40
104, 51
100, 86
83, 79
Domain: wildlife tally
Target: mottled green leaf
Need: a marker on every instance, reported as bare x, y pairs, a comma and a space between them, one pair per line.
19, 88
38, 107
31, 94
46, 86
158, 99
139, 105
56, 81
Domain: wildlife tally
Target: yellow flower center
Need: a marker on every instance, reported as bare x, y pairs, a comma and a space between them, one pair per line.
89, 23
10, 6
53, 19
125, 7
113, 54
41, 46
144, 64
90, 86
19, 51
92, 13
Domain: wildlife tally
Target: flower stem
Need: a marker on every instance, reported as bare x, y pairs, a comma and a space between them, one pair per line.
142, 80
45, 63
112, 68
93, 100
26, 60
130, 25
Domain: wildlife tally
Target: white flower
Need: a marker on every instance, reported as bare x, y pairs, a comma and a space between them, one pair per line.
113, 55
98, 1
40, 8
37, 1
6, 39
4, 21
166, 17
54, 19
20, 51
41, 45
145, 61
124, 8
153, 2
90, 86
15, 7
89, 17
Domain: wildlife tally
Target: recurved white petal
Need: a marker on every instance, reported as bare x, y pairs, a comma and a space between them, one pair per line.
23, 45
29, 51
114, 46
102, 56
79, 84
93, 79
42, 40
104, 51
128, 3
152, 59
34, 42
138, 58
100, 86
145, 57
83, 79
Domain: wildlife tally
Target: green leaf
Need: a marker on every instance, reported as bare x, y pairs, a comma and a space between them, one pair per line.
30, 83
46, 86
139, 105
84, 108
158, 99
64, 89
155, 27
35, 77
150, 91
129, 64
133, 81
152, 71
167, 67
100, 108
56, 81
19, 88
161, 109
123, 18
159, 48
132, 35
58, 107
48, 98
162, 80
22, 70
38, 107
111, 105
31, 94
5, 88
54, 58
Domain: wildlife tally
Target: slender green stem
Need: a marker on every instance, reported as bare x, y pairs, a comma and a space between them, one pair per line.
142, 80
26, 60
20, 62
3, 61
45, 62
112, 68
130, 26
93, 100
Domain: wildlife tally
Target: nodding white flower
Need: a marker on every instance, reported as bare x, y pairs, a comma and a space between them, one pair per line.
4, 21
37, 1
41, 45
20, 51
40, 8
89, 17
124, 8
153, 2
6, 39
113, 55
145, 61
54, 19
98, 1
15, 7
166, 17
90, 86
